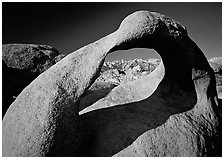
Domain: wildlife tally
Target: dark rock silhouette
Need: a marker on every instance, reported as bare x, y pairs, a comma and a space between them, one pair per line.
35, 58
21, 64
162, 114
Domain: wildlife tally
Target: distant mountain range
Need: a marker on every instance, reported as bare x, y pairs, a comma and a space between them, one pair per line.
123, 65
217, 60
121, 71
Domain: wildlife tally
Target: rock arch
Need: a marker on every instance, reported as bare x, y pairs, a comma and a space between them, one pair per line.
44, 120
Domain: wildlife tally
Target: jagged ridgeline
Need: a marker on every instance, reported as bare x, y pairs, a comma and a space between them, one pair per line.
122, 71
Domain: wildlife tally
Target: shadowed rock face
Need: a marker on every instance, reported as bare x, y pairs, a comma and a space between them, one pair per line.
162, 114
22, 63
29, 57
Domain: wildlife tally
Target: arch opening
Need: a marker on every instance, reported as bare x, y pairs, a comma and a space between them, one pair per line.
134, 108
121, 67
134, 53
119, 120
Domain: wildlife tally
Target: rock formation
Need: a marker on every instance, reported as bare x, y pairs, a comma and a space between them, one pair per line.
35, 58
161, 114
117, 72
97, 91
216, 64
113, 74
21, 64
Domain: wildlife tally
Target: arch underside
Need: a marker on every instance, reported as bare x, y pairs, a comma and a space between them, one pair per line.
135, 108
130, 111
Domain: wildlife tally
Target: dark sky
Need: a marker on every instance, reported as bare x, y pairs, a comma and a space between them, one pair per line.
69, 26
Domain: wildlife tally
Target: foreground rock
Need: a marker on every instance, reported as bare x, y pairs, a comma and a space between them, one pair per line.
162, 114
43, 120
152, 118
97, 91
21, 64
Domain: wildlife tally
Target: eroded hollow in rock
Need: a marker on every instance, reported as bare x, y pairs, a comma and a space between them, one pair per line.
181, 88
134, 108
124, 67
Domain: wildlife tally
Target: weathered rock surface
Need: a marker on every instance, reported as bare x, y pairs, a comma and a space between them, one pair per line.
125, 71
216, 64
35, 58
43, 120
121, 72
148, 118
21, 64
115, 73
97, 91
161, 114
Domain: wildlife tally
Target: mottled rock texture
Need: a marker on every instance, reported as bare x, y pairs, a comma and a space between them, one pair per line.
120, 72
21, 64
124, 71
115, 73
35, 58
162, 114
216, 64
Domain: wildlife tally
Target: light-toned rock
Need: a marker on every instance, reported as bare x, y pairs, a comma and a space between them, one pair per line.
171, 113
97, 91
43, 120
161, 114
